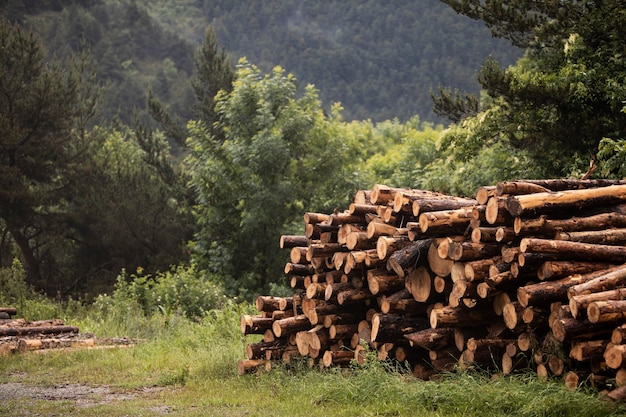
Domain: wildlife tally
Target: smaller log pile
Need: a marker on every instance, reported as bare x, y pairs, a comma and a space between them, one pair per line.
19, 335
529, 275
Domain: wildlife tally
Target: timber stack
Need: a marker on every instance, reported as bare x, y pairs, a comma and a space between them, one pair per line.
528, 275
18, 335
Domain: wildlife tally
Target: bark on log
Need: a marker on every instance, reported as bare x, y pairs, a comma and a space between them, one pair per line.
609, 311
578, 303
425, 205
603, 281
571, 328
432, 339
386, 245
602, 237
290, 325
381, 281
446, 221
470, 251
584, 351
459, 316
518, 188
574, 250
255, 324
409, 257
393, 326
543, 226
551, 270
31, 330
565, 200
479, 269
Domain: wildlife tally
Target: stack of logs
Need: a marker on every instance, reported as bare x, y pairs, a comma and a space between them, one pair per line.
18, 335
528, 275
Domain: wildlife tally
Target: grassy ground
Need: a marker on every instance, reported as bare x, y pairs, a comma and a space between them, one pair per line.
189, 368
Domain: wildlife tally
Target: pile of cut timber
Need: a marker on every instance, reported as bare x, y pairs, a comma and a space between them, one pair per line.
530, 274
19, 335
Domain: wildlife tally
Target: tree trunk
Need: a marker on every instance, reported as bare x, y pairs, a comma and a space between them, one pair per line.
609, 311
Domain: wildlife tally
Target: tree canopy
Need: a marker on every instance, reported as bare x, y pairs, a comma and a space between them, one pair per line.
564, 96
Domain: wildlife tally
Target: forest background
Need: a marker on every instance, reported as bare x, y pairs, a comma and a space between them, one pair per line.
142, 151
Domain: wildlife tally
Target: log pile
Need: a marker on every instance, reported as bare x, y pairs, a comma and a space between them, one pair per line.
19, 335
528, 275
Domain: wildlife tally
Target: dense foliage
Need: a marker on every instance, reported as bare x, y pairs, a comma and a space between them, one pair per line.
380, 60
565, 96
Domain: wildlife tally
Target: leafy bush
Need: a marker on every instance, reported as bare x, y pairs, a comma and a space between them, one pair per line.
15, 292
180, 291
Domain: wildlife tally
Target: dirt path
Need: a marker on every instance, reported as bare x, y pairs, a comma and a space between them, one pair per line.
82, 395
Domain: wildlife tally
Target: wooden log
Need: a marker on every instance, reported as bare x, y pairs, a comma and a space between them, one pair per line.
11, 311
479, 269
615, 356
299, 269
605, 280
291, 241
255, 324
361, 209
618, 336
259, 350
446, 221
602, 237
337, 358
572, 184
459, 316
438, 265
512, 314
290, 325
386, 245
558, 269
565, 200
546, 292
544, 226
381, 281
322, 250
520, 187
484, 234
496, 212
394, 327
31, 330
571, 328
245, 366
359, 241
432, 339
484, 193
409, 257
574, 250
267, 303
578, 303
609, 311
584, 351
376, 229
444, 203
353, 295
419, 283
470, 251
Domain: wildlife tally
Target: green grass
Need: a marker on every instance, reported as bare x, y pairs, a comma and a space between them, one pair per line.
189, 368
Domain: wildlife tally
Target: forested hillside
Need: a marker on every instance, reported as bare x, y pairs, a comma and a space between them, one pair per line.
379, 59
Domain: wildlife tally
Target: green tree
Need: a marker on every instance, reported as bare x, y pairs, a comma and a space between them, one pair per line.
281, 156
44, 108
566, 94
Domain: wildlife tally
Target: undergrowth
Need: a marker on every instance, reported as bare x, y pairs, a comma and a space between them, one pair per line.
196, 355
